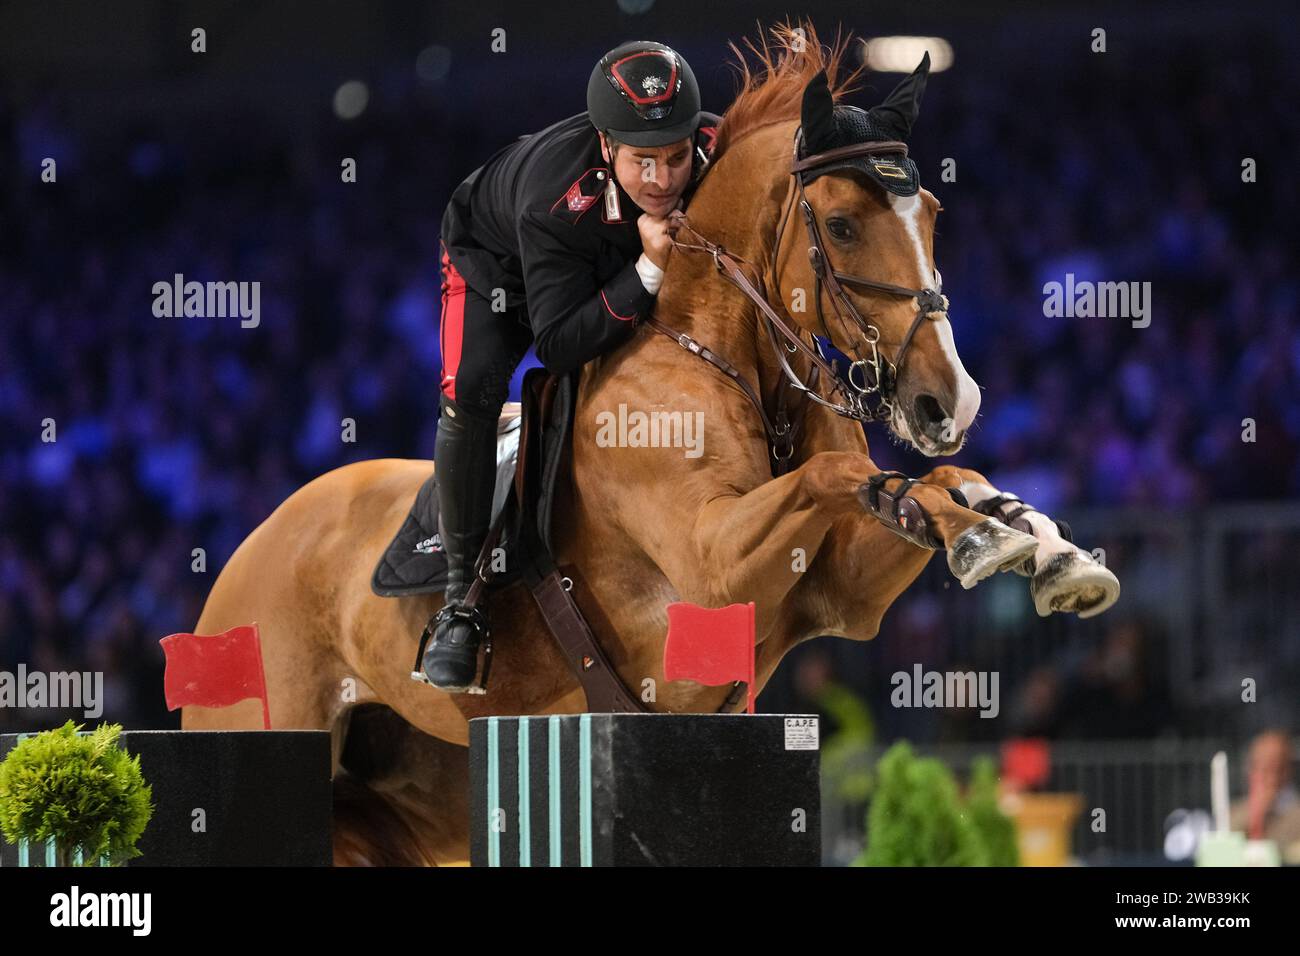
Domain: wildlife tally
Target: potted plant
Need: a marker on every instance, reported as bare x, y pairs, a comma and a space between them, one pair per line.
80, 790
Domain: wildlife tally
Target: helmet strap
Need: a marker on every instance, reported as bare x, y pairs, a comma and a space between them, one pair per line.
610, 147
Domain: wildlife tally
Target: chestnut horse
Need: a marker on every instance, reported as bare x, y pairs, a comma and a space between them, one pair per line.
640, 527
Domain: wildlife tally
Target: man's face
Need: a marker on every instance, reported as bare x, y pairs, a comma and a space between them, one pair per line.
654, 176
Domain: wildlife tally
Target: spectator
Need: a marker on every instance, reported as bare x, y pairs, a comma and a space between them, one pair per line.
1271, 808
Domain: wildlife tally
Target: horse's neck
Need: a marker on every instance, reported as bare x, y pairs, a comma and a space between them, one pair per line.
698, 300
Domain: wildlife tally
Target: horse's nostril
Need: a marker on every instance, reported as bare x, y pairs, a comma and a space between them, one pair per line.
929, 412
933, 420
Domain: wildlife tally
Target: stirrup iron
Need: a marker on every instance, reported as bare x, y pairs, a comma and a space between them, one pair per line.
477, 620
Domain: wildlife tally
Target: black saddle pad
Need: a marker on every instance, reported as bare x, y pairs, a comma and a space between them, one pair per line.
413, 563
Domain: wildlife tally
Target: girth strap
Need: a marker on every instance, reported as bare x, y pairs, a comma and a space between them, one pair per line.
600, 682
604, 690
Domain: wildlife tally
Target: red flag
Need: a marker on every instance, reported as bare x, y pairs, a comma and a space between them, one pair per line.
711, 645
215, 670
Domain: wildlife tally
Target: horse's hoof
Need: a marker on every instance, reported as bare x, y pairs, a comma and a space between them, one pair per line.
987, 548
1073, 582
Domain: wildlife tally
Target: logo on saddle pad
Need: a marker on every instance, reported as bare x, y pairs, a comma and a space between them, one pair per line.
429, 545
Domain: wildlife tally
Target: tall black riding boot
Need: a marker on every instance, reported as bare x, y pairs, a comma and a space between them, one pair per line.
465, 463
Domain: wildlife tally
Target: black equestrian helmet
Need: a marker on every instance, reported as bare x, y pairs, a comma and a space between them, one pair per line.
644, 94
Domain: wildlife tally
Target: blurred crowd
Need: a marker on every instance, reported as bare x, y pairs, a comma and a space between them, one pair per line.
183, 434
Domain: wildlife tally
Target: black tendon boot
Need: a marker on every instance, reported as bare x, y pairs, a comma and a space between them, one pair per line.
465, 463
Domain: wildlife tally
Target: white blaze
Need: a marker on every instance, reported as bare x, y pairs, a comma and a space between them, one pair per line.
966, 392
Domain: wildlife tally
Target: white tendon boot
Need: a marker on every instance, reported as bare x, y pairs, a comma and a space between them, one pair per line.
1063, 577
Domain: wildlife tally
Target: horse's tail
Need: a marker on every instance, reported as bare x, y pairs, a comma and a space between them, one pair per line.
368, 830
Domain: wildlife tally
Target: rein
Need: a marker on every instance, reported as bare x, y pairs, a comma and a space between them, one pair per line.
873, 399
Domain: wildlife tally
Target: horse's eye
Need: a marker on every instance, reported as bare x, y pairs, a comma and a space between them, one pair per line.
839, 228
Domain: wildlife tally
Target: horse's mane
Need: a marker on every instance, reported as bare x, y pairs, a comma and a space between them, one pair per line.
789, 55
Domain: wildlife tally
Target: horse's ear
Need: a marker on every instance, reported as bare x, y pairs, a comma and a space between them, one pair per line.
818, 116
898, 112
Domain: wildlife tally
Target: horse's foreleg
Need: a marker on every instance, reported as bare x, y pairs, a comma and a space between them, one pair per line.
759, 543
1063, 577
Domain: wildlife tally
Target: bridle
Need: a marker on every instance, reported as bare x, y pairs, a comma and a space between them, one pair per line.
879, 375
872, 398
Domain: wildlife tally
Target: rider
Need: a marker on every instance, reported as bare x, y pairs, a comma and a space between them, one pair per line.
560, 239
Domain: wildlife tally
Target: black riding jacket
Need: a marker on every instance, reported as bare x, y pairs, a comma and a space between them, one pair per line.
535, 221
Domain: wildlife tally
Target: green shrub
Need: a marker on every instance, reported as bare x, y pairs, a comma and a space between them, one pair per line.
82, 790
995, 829
918, 818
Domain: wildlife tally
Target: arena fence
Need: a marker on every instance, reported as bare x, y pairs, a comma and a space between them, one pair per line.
1138, 783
